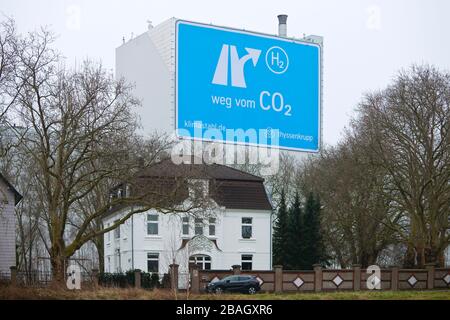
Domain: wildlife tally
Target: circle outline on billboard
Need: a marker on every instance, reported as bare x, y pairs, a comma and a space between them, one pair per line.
287, 60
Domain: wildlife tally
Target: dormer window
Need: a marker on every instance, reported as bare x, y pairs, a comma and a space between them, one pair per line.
185, 226
212, 227
198, 226
198, 188
117, 231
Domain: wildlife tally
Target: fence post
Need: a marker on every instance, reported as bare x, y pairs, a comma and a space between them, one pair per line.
195, 278
95, 278
394, 278
356, 277
13, 270
430, 277
236, 269
137, 278
174, 276
318, 276
278, 278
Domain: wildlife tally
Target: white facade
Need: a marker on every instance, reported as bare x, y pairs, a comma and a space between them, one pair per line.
7, 228
222, 245
148, 63
447, 257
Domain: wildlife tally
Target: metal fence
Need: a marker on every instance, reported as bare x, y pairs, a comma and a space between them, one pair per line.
37, 278
41, 279
5, 277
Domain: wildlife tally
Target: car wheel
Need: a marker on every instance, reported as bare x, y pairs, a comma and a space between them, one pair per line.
218, 290
251, 290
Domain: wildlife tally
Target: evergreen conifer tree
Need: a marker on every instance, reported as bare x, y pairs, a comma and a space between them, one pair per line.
314, 249
295, 254
280, 233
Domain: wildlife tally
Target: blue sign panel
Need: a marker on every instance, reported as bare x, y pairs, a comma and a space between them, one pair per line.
241, 87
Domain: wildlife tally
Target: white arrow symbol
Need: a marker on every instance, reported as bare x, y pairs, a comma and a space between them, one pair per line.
237, 65
254, 54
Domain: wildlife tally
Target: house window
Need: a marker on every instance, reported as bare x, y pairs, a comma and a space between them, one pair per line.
108, 234
202, 261
185, 226
152, 224
109, 264
247, 228
247, 262
212, 226
118, 262
117, 231
198, 189
153, 262
198, 227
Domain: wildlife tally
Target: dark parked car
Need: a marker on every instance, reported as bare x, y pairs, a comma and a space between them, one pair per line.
240, 283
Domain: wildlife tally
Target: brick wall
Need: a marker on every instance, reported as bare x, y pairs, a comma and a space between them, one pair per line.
279, 280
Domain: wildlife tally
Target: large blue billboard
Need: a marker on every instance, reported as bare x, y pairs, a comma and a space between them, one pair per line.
265, 86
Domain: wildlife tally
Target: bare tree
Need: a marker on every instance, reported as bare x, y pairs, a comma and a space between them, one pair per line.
148, 152
355, 211
79, 122
9, 89
8, 63
20, 170
28, 212
286, 179
408, 127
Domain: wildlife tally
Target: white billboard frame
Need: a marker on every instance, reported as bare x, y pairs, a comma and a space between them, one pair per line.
264, 35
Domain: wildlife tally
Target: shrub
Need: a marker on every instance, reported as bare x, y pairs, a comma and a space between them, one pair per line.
125, 280
117, 279
165, 281
149, 280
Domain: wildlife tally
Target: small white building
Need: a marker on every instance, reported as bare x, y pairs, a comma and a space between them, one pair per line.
238, 232
9, 198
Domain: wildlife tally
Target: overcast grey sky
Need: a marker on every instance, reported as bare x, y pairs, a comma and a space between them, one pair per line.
366, 41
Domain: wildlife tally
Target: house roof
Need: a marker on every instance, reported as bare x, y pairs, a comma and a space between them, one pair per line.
229, 187
167, 168
17, 195
232, 188
234, 194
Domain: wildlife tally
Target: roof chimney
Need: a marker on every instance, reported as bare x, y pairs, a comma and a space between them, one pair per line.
282, 26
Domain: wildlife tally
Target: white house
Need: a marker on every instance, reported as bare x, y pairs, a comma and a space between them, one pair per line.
236, 232
9, 198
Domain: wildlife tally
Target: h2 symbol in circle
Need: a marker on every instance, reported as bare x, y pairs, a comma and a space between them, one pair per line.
277, 60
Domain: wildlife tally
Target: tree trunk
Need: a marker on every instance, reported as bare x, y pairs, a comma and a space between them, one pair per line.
59, 264
98, 242
410, 258
367, 259
421, 256
441, 260
432, 255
